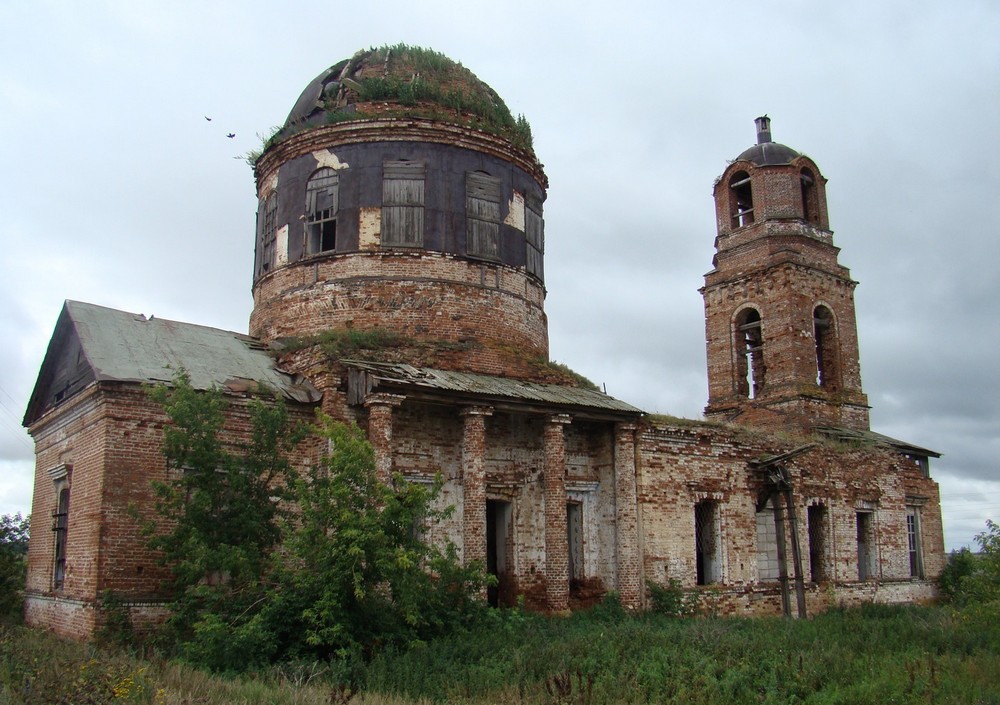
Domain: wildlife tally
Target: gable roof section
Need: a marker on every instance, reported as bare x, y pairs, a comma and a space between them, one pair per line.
117, 346
443, 385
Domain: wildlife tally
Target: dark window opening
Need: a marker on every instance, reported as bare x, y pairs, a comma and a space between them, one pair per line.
499, 550
740, 200
810, 197
825, 336
749, 354
482, 208
403, 204
817, 521
866, 546
534, 233
322, 205
913, 542
60, 527
706, 541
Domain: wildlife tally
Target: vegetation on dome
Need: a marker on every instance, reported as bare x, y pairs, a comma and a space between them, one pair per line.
406, 81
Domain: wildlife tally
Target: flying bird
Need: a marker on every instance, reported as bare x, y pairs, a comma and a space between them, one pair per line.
208, 118
231, 135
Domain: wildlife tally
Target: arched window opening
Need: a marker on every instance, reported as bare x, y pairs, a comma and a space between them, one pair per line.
322, 204
825, 335
60, 527
749, 354
810, 196
740, 199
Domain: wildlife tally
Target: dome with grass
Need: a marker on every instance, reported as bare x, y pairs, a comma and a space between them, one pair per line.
404, 81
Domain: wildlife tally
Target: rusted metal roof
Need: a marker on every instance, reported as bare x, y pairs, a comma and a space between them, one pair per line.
486, 387
128, 347
851, 435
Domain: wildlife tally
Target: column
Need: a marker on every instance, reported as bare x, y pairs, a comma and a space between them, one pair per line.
474, 483
380, 408
627, 519
556, 538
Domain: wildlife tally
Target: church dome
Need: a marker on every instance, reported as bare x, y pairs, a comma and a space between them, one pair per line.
766, 152
404, 81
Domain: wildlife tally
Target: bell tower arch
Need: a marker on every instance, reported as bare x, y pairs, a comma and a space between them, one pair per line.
780, 325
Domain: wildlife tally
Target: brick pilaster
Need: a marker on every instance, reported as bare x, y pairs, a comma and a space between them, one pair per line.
556, 540
380, 408
626, 518
474, 483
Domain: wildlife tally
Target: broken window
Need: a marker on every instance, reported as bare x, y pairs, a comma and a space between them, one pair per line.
749, 354
322, 204
818, 527
706, 542
60, 528
740, 199
482, 215
269, 234
866, 545
767, 546
534, 232
825, 336
810, 196
403, 203
913, 541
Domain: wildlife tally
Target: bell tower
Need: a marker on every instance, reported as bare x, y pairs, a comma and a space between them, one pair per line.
780, 327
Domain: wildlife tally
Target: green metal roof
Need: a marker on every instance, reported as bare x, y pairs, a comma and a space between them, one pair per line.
119, 346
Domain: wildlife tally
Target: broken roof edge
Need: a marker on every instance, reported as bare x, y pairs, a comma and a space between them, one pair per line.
494, 387
849, 435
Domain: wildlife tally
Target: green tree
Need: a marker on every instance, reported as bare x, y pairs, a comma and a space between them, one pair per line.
217, 516
13, 561
272, 564
970, 578
357, 575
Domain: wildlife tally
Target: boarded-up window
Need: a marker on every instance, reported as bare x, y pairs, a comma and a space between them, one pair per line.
269, 232
403, 204
482, 215
534, 232
322, 204
768, 566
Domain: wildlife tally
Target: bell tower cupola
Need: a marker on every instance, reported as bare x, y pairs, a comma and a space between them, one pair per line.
780, 326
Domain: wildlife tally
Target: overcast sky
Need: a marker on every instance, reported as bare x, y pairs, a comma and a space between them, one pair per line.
115, 190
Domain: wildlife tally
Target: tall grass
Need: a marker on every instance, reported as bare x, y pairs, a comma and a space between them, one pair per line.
871, 655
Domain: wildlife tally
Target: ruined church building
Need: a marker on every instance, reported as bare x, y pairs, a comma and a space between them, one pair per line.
400, 196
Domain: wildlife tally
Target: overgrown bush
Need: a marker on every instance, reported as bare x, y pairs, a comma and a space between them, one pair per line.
272, 563
970, 578
670, 599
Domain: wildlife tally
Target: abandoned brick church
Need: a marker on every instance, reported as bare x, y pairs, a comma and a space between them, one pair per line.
401, 197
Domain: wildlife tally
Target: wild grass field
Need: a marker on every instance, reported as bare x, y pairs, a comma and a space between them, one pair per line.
875, 654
